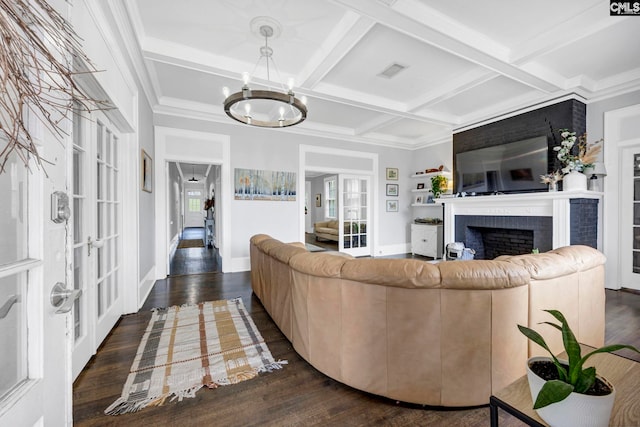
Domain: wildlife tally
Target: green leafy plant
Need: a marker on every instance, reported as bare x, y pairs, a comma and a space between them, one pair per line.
575, 378
438, 185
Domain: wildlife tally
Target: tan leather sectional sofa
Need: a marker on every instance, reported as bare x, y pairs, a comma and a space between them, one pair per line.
435, 334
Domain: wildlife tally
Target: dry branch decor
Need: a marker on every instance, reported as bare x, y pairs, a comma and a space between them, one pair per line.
37, 51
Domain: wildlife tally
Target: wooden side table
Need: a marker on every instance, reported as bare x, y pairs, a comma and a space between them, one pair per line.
623, 373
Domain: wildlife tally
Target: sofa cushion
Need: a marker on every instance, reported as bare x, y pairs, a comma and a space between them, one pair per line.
326, 230
407, 273
320, 264
481, 274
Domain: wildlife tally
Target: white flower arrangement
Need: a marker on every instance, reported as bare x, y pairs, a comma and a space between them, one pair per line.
586, 153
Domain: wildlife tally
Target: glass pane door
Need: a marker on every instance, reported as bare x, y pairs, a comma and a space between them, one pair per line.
354, 215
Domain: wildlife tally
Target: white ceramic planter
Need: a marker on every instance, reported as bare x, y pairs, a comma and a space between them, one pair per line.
577, 409
574, 181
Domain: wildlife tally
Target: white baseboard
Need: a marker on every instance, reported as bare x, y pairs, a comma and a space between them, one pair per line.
397, 249
145, 286
173, 245
240, 264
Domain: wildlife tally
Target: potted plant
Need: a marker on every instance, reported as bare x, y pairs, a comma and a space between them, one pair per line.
565, 392
438, 185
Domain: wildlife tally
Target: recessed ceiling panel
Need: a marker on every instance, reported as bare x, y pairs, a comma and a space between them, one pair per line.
192, 85
223, 27
336, 114
496, 91
617, 47
426, 66
511, 22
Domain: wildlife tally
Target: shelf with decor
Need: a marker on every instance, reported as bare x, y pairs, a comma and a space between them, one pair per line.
427, 228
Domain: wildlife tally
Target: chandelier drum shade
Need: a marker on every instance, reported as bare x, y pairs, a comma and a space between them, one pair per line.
265, 108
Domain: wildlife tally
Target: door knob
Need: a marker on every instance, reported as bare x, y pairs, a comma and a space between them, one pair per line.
93, 244
62, 298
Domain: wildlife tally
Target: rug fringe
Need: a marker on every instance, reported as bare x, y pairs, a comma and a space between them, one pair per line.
121, 406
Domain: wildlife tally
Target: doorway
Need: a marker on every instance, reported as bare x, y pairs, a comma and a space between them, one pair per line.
356, 181
192, 213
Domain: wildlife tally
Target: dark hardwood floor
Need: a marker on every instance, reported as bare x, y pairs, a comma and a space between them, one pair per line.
297, 395
194, 260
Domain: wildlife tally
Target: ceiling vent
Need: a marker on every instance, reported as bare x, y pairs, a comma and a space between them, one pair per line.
392, 70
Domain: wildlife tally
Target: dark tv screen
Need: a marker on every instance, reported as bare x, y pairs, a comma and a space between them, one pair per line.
508, 168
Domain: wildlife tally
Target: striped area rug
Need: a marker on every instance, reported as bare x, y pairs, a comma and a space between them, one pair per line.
189, 347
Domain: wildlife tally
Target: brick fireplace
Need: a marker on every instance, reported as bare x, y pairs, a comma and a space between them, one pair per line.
517, 223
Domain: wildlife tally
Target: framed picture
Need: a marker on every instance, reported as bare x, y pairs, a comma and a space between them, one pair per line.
392, 174
419, 200
318, 200
392, 189
146, 170
392, 206
421, 186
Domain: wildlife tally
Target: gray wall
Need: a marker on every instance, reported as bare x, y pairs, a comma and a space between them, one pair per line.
174, 201
279, 150
596, 110
146, 202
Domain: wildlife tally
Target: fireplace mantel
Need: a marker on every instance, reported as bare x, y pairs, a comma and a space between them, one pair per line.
555, 204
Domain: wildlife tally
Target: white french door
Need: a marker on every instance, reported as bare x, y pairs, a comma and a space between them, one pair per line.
97, 236
355, 214
630, 217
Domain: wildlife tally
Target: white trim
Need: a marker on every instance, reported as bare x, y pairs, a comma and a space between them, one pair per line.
549, 204
614, 142
241, 264
162, 135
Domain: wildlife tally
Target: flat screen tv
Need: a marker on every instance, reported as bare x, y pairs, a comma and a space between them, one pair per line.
508, 168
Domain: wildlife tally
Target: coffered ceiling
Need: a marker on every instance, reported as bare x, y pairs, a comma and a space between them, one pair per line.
465, 61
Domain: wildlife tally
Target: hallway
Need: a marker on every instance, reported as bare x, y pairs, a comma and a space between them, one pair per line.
194, 260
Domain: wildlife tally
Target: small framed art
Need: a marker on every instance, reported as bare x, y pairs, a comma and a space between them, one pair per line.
392, 206
421, 186
392, 189
392, 174
318, 200
146, 170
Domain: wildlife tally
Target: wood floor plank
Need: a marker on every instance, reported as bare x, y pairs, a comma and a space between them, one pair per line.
297, 395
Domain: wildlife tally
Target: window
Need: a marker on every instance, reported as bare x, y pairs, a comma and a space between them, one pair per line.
194, 200
330, 197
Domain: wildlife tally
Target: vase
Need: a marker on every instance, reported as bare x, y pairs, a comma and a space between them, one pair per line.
574, 181
577, 409
553, 185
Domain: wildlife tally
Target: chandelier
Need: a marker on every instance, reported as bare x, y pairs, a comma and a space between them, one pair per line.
265, 108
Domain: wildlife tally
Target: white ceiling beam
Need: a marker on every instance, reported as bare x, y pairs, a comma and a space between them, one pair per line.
342, 39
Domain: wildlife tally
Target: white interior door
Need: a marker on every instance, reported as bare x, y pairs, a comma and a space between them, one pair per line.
35, 388
630, 217
308, 225
355, 214
96, 235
